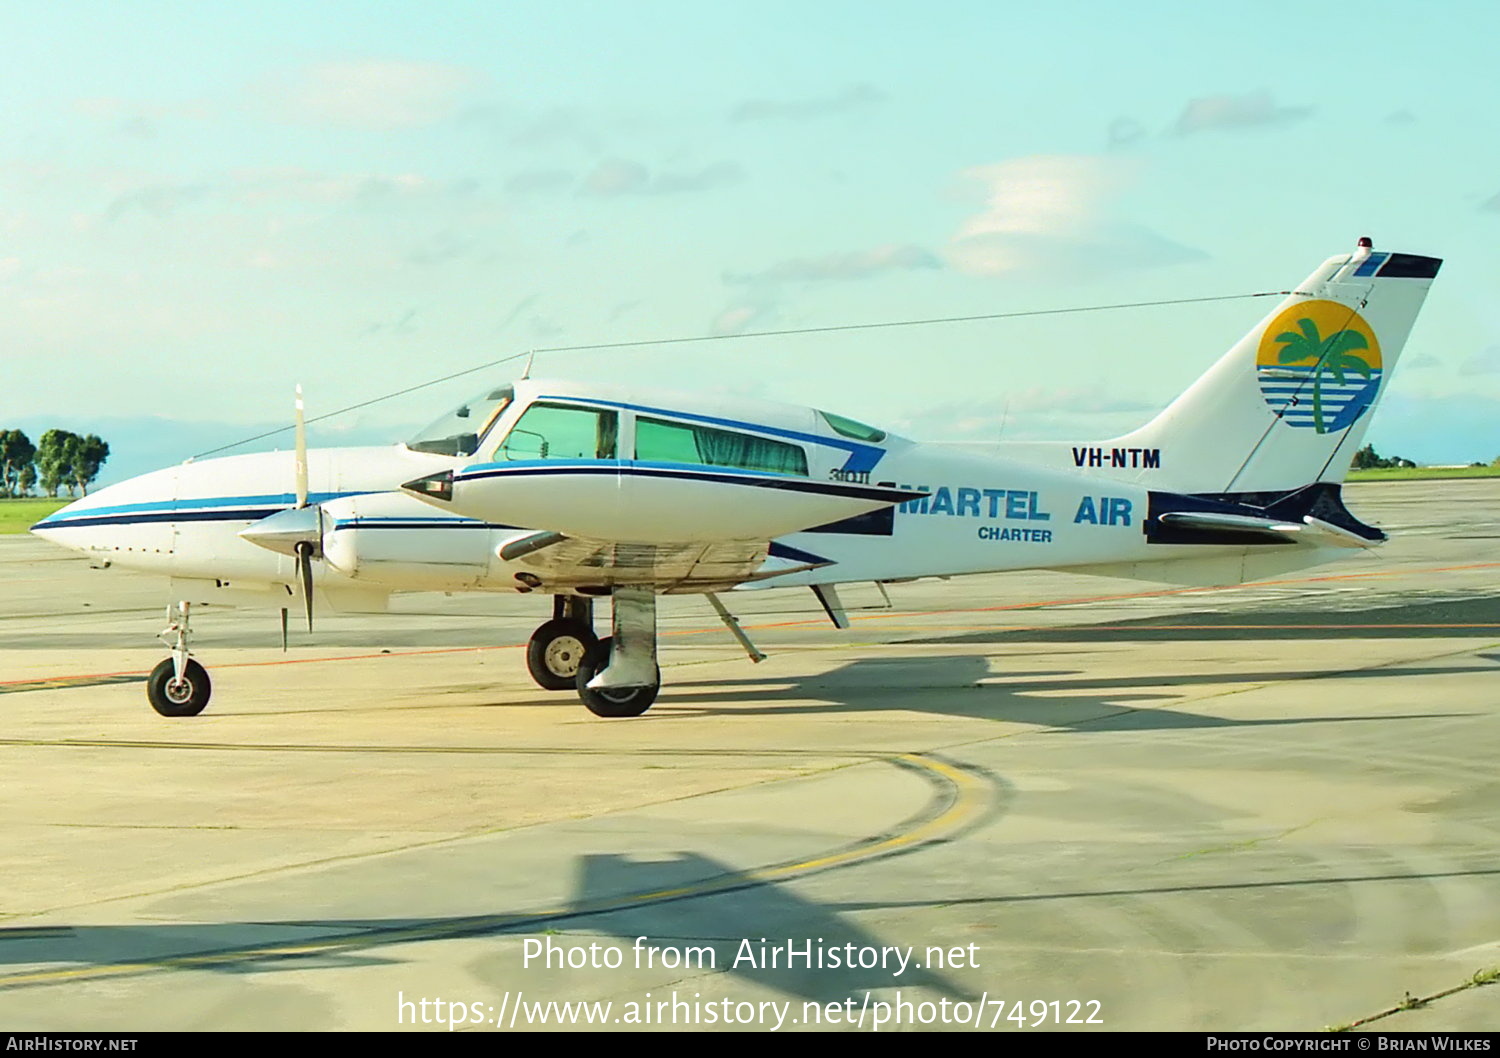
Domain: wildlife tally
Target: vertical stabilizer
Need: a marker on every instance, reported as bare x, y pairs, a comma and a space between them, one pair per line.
1290, 403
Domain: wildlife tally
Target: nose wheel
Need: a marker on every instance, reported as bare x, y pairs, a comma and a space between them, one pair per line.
179, 686
174, 696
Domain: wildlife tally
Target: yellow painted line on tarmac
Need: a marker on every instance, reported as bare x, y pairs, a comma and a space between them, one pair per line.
963, 797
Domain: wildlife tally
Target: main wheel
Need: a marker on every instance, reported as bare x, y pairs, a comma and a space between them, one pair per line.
555, 652
627, 701
170, 697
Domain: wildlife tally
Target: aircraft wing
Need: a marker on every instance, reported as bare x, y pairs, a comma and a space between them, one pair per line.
673, 528
560, 561
649, 502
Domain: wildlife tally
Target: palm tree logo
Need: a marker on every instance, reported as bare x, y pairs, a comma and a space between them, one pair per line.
1327, 349
1329, 355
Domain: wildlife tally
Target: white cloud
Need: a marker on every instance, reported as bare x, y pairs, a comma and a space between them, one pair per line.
375, 94
853, 98
622, 176
1235, 112
265, 187
1484, 362
741, 318
857, 264
617, 176
1044, 216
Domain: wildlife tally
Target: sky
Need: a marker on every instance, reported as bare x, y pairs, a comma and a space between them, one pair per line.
205, 205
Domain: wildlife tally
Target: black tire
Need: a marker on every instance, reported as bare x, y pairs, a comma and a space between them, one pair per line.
186, 700
556, 651
630, 702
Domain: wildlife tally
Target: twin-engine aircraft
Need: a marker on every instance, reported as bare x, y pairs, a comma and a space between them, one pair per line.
582, 491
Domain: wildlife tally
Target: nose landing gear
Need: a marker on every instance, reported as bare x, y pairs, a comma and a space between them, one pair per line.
179, 686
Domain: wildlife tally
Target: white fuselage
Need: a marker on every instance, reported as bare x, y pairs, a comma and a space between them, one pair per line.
679, 521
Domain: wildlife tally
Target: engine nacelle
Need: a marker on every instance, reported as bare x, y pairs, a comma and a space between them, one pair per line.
390, 539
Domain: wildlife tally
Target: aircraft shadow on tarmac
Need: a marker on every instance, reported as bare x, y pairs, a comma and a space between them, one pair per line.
729, 917
1469, 617
966, 685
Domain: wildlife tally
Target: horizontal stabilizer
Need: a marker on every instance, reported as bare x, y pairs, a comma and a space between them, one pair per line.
1313, 516
1313, 531
1240, 523
1336, 536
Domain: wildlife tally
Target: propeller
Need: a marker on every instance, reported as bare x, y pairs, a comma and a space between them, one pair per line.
297, 531
304, 548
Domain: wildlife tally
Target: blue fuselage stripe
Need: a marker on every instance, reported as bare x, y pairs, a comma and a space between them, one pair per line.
205, 509
726, 476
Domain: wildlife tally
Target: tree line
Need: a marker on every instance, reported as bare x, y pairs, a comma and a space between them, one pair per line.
1369, 459
59, 459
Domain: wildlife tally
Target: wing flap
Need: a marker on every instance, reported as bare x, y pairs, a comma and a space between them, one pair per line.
581, 564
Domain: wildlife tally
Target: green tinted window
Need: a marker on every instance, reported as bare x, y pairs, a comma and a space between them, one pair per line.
657, 441
852, 429
555, 431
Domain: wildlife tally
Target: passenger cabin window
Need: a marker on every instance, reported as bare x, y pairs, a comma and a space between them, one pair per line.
557, 431
675, 442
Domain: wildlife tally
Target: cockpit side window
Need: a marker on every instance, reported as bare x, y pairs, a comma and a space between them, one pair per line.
459, 432
657, 440
852, 428
559, 431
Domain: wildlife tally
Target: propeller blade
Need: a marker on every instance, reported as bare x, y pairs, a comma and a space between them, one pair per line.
304, 578
301, 452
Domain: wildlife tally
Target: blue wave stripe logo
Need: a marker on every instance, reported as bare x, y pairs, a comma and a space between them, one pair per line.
1289, 392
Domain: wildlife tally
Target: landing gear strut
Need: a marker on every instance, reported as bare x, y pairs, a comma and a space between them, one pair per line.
558, 647
179, 686
620, 676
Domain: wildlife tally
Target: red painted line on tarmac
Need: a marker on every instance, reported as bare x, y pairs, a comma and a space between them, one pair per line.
1171, 628
1162, 592
1035, 605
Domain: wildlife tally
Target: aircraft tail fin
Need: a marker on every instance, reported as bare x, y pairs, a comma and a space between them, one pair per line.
1289, 404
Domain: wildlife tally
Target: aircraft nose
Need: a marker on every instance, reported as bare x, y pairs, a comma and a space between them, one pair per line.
48, 527
99, 521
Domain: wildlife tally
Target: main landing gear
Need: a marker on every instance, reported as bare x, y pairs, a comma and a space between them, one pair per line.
179, 686
615, 676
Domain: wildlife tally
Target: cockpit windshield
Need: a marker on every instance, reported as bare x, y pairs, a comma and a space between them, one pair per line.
459, 432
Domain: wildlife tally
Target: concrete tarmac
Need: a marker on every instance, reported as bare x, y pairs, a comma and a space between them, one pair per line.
1133, 807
